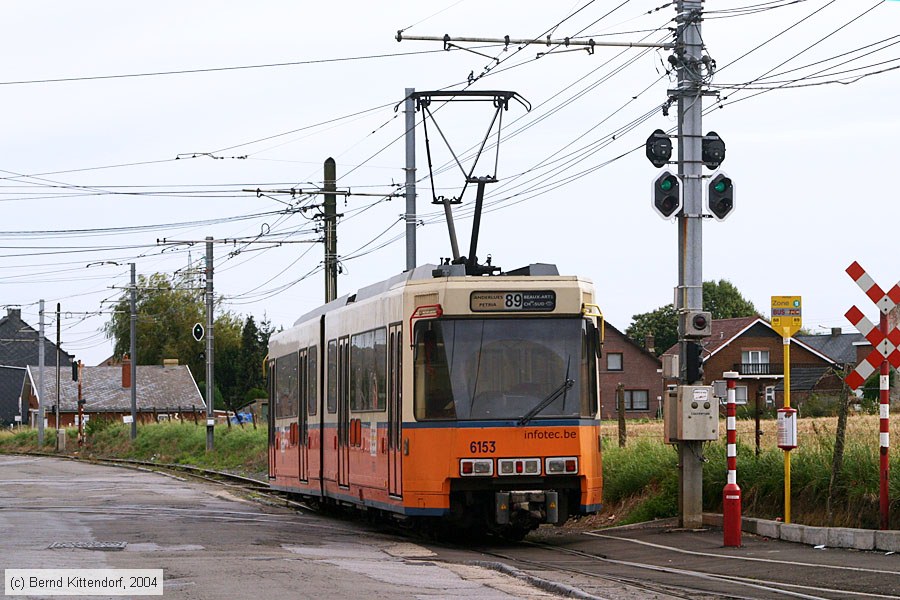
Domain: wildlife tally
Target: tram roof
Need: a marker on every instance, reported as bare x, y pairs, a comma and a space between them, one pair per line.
422, 272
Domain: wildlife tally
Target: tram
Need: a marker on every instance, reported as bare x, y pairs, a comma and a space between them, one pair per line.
438, 396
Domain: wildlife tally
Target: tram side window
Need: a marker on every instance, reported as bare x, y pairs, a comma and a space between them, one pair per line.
331, 395
368, 368
312, 379
287, 391
433, 393
588, 369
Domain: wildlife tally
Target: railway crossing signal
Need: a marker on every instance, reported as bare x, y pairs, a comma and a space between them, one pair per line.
721, 196
885, 343
659, 148
712, 150
667, 195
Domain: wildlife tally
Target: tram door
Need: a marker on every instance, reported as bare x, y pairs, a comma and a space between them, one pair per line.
302, 419
395, 411
344, 412
271, 418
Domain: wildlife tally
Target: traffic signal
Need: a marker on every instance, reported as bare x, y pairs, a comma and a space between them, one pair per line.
721, 196
694, 363
659, 148
697, 324
712, 150
666, 196
75, 370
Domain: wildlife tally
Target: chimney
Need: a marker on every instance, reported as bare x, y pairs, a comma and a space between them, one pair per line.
170, 362
650, 344
126, 372
835, 332
14, 313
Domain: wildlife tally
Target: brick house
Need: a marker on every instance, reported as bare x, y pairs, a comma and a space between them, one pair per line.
168, 390
19, 348
752, 348
637, 368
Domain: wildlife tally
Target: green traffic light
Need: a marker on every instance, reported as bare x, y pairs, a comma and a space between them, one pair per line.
666, 184
722, 185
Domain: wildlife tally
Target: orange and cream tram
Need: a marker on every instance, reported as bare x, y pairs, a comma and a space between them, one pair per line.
433, 394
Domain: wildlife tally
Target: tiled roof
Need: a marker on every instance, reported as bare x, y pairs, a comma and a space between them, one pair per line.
723, 330
804, 379
610, 327
838, 348
159, 388
19, 344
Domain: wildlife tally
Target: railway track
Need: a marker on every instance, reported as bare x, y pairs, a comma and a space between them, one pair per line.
616, 573
664, 579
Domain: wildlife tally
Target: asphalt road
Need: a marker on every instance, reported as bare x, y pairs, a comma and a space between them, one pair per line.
211, 544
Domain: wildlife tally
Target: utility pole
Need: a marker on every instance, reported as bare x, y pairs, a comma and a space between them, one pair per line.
133, 352
409, 111
688, 54
41, 362
330, 209
210, 384
58, 344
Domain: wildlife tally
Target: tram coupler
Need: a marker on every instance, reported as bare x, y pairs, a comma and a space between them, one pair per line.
501, 504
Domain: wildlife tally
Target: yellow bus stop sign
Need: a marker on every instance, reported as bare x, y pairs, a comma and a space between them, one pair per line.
786, 315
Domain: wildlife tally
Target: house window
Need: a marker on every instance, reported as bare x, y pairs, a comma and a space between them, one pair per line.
755, 362
614, 361
637, 400
740, 394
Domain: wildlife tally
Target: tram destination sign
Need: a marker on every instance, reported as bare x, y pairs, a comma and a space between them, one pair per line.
513, 301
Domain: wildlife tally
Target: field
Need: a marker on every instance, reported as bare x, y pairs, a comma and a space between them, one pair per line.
646, 463
640, 480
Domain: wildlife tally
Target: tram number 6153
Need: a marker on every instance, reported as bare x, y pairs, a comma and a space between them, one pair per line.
483, 447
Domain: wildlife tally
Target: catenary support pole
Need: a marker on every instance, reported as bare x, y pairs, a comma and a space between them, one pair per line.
690, 232
884, 428
133, 352
58, 353
409, 112
41, 364
210, 384
731, 494
330, 209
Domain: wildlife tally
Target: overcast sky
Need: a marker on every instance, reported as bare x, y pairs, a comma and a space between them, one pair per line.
90, 174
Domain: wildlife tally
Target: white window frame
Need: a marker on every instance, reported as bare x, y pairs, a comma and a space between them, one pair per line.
754, 357
621, 356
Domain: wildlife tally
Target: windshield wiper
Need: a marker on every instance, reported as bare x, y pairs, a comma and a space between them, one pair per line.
560, 391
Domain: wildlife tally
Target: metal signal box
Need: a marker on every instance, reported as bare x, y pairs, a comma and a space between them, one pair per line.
691, 414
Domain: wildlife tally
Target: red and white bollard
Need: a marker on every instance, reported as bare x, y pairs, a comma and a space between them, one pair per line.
731, 502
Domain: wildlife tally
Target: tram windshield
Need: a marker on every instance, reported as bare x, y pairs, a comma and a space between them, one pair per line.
480, 369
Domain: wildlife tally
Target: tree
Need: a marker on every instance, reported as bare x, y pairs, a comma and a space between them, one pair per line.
720, 298
661, 323
724, 301
167, 310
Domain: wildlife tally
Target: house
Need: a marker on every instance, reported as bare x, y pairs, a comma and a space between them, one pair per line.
637, 369
843, 348
162, 392
753, 349
19, 348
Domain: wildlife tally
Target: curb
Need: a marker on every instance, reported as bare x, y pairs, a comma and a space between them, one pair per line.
833, 537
